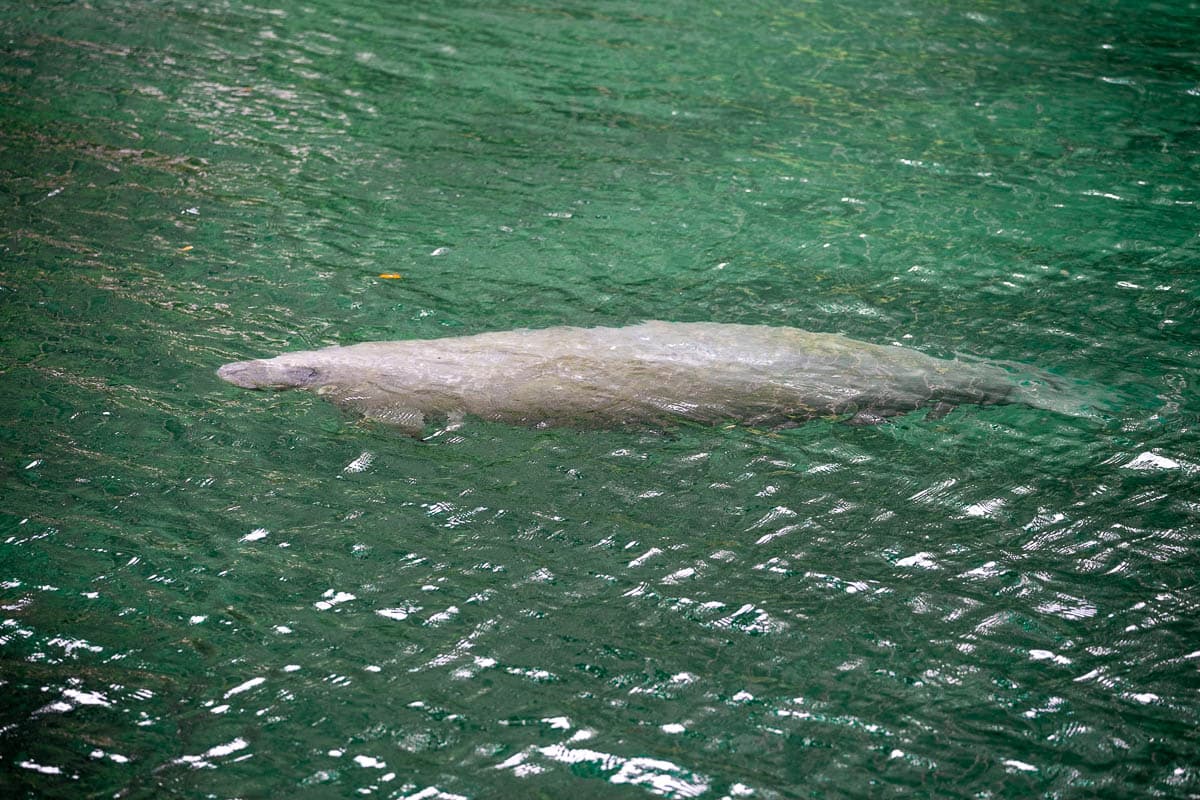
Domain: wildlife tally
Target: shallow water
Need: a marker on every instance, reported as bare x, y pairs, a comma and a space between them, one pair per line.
211, 592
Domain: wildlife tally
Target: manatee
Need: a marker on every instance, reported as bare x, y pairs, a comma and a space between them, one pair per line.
651, 374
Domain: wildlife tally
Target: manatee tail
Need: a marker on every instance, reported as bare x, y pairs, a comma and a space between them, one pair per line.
1017, 383
1060, 395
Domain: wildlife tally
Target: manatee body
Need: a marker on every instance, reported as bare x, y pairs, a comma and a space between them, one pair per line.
650, 374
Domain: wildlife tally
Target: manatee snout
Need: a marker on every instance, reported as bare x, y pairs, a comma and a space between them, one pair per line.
266, 374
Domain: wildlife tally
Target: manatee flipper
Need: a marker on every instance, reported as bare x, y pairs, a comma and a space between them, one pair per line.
408, 421
381, 404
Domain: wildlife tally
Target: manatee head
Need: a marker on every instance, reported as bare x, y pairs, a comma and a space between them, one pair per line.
281, 372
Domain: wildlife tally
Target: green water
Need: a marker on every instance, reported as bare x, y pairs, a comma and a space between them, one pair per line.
206, 592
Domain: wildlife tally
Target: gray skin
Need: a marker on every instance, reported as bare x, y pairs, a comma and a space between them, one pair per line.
648, 374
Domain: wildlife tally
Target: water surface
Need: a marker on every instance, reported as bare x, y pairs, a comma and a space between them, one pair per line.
215, 593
